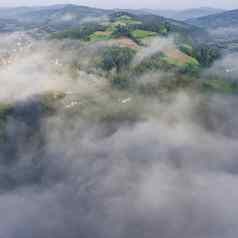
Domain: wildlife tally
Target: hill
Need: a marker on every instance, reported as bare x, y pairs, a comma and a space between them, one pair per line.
58, 18
55, 15
225, 19
68, 14
171, 45
196, 13
179, 15
9, 25
135, 27
222, 27
49, 18
18, 13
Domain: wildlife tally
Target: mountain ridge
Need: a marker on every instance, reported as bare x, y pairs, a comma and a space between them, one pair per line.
225, 19
13, 12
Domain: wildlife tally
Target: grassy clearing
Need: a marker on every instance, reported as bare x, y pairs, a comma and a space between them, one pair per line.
177, 57
122, 21
141, 34
100, 36
113, 26
127, 20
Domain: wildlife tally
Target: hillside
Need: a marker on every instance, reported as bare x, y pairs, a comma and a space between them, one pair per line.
51, 17
151, 23
23, 13
58, 17
47, 13
225, 19
195, 13
181, 15
160, 43
9, 25
223, 28
67, 13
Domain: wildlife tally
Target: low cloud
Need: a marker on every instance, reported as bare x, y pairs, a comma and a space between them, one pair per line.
148, 167
153, 46
225, 67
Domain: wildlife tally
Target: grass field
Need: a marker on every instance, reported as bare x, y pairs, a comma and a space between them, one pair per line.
122, 21
127, 20
100, 36
141, 34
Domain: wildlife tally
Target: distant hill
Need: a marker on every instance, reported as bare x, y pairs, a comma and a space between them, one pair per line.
9, 25
196, 34
225, 19
196, 13
46, 13
222, 27
179, 15
54, 17
147, 11
61, 17
19, 12
67, 13
54, 13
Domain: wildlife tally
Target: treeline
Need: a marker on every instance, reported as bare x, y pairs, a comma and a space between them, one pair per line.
206, 55
83, 32
117, 63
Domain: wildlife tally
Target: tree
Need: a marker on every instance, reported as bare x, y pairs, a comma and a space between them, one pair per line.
116, 58
124, 31
121, 31
206, 55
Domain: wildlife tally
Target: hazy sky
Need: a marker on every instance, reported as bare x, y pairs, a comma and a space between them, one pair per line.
159, 4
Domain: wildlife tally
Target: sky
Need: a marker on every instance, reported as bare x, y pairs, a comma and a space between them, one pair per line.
158, 4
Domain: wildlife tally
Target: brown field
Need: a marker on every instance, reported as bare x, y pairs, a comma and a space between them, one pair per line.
103, 33
177, 55
125, 42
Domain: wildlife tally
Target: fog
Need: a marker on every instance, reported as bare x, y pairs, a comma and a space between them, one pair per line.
111, 167
225, 67
225, 33
153, 46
